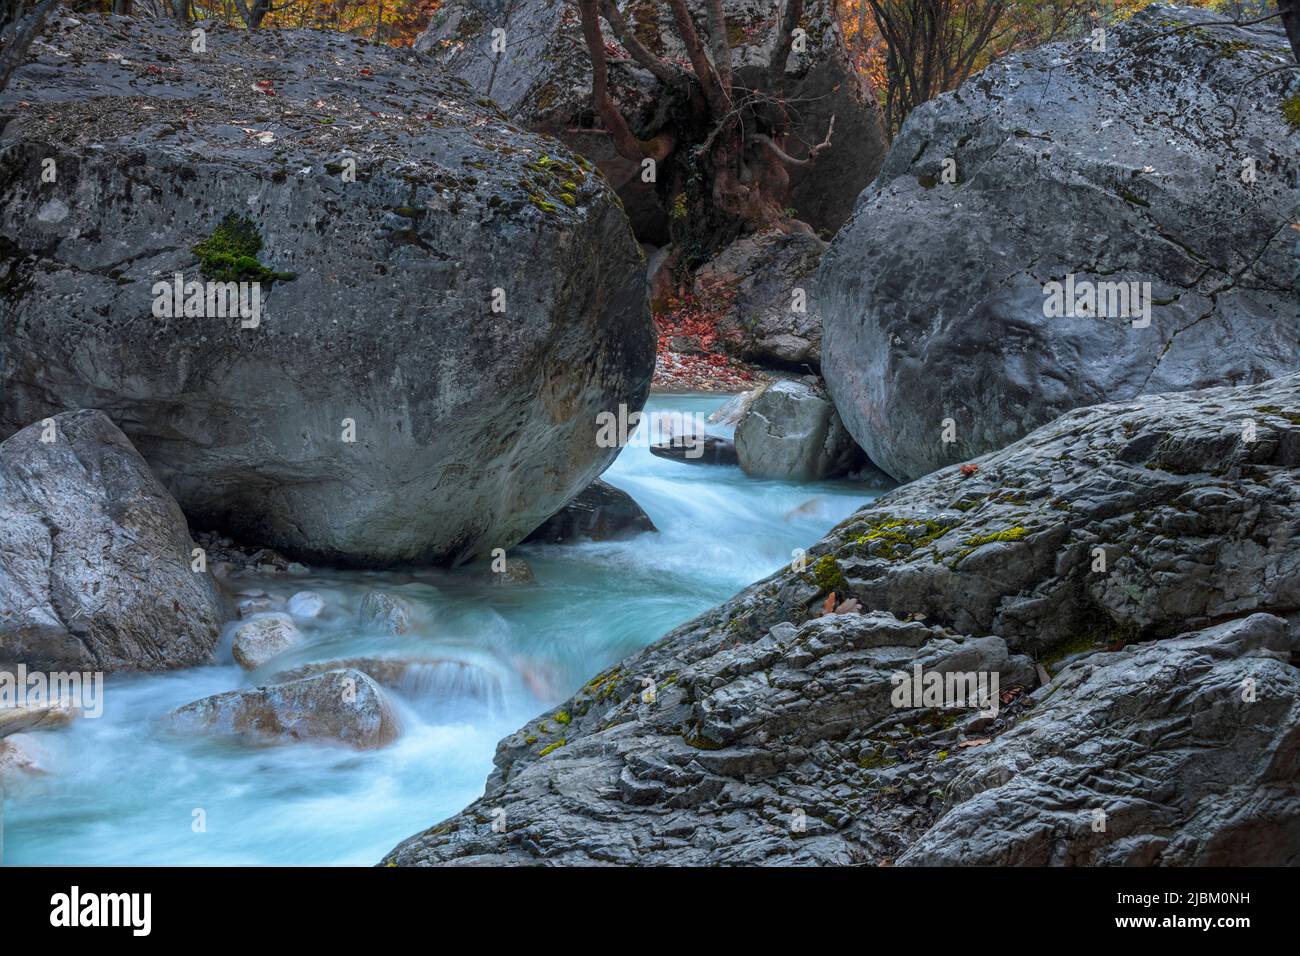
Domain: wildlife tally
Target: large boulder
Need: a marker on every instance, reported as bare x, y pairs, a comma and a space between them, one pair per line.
339, 706
1142, 163
435, 338
96, 564
792, 431
1144, 711
542, 79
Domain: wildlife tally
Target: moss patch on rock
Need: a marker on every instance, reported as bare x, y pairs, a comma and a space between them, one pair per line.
230, 254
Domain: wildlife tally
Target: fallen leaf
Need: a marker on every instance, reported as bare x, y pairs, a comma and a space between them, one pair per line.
976, 742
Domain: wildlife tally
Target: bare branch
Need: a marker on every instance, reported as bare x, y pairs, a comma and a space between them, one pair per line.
790, 160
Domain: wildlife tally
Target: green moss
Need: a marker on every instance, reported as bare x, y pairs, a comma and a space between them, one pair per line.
700, 743
562, 717
896, 539
828, 575
1279, 412
1009, 534
1133, 198
603, 686
530, 740
1076, 646
552, 747
1291, 111
230, 254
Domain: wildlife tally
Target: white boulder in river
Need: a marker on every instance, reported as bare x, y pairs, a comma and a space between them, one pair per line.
96, 565
261, 638
434, 336
306, 604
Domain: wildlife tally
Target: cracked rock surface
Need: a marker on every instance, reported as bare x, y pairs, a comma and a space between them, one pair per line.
382, 410
1119, 166
1146, 704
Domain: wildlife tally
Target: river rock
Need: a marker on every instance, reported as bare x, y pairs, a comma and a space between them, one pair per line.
697, 450
733, 409
386, 612
381, 410
261, 638
44, 716
18, 758
343, 706
769, 284
306, 604
514, 571
773, 734
439, 679
792, 431
600, 513
1117, 166
95, 556
543, 81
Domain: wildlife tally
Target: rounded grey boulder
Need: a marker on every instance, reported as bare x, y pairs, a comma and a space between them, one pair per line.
1143, 168
445, 302
792, 431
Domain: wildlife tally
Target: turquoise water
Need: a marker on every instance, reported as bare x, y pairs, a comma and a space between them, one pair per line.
119, 790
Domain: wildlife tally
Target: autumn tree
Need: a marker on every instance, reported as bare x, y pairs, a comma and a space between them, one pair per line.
727, 161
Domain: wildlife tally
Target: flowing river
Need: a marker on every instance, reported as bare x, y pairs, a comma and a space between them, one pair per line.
118, 790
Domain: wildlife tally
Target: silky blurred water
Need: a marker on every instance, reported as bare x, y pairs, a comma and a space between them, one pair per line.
118, 790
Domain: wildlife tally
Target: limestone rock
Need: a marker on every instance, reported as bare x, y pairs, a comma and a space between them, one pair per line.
792, 431
1123, 166
343, 706
95, 556
381, 410
766, 732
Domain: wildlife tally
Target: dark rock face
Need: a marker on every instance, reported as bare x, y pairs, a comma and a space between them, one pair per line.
771, 282
339, 706
764, 732
600, 512
95, 556
1117, 166
381, 410
543, 81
